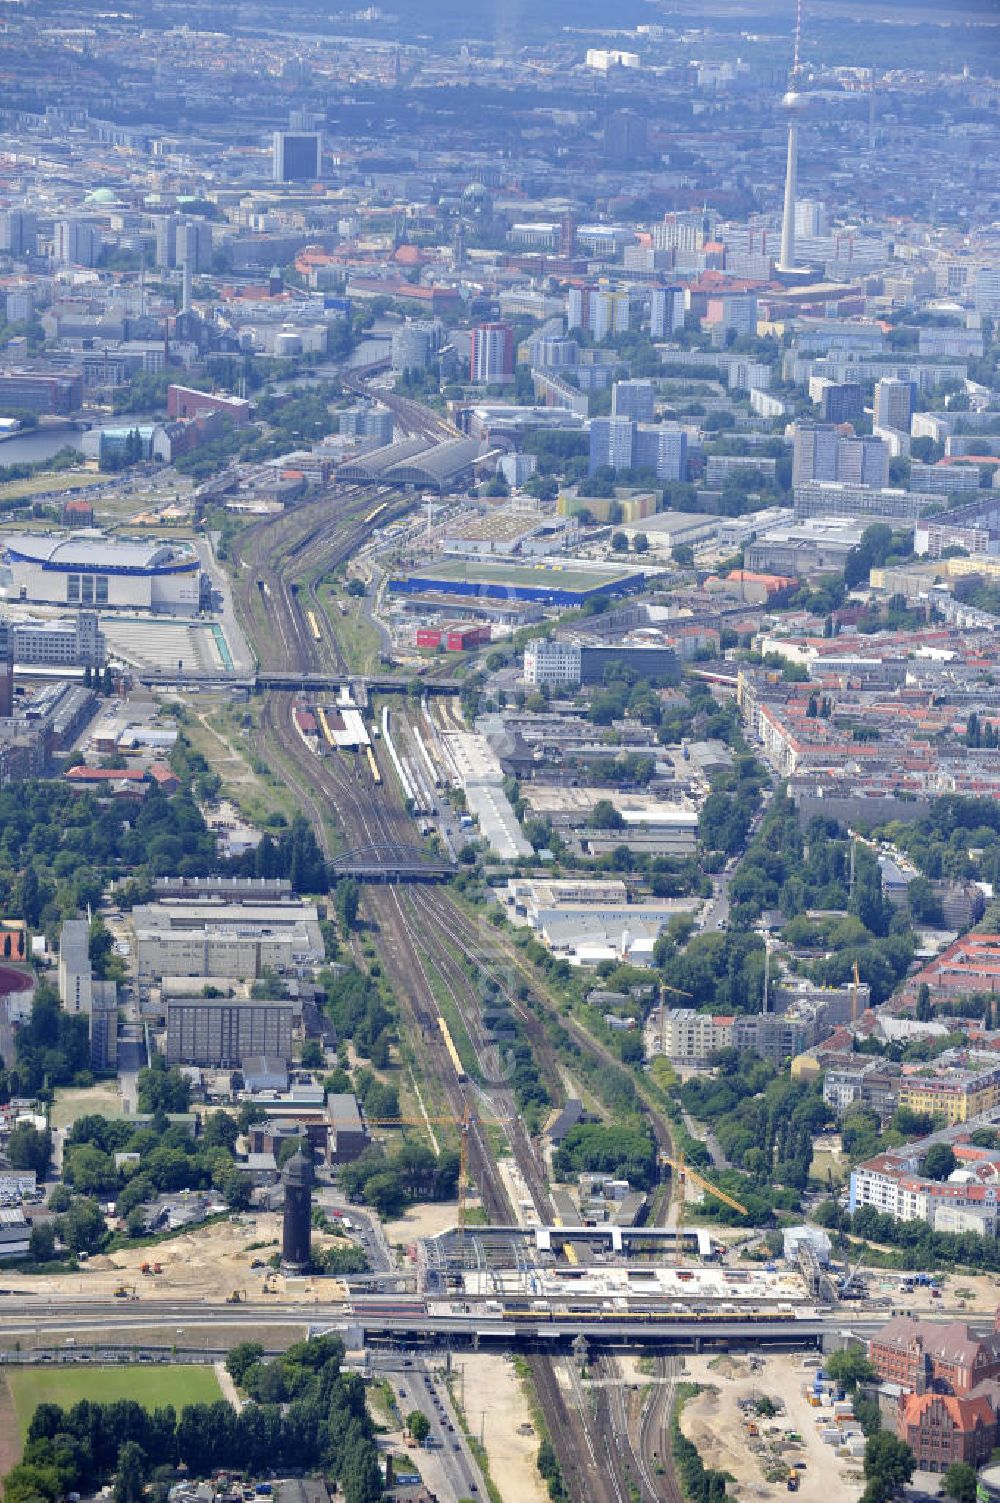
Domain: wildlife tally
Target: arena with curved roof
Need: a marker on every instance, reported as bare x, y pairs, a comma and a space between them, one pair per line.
93, 570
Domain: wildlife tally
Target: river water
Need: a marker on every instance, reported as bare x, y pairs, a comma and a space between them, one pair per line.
29, 448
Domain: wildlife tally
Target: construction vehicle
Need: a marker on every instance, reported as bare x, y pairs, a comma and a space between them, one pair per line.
682, 1173
124, 1292
850, 1287
463, 1123
238, 1297
792, 1482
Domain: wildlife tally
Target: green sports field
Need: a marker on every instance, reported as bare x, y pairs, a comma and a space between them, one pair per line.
170, 1383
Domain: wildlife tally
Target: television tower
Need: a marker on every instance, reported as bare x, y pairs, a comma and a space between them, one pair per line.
793, 105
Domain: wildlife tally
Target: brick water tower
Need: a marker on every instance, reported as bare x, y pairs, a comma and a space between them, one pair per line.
298, 1178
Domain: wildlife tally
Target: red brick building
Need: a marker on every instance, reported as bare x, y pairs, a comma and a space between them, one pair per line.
77, 513
185, 402
926, 1357
941, 1429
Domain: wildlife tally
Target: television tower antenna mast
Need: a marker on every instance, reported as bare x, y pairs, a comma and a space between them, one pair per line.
792, 104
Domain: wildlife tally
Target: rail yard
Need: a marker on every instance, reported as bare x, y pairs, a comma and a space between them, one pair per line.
357, 801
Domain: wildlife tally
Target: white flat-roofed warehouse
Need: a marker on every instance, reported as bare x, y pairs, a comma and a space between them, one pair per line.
236, 940
587, 921
675, 823
91, 570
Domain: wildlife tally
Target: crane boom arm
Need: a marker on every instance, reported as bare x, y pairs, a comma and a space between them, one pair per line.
689, 1173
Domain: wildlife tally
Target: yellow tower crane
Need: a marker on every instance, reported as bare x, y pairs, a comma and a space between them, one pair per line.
683, 1172
464, 1123
664, 988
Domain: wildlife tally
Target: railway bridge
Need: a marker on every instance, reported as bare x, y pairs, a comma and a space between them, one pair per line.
390, 863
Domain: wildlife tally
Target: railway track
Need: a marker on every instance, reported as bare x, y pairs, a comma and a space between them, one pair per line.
404, 952
443, 912
301, 786
452, 923
368, 815
582, 1456
411, 416
285, 556
407, 962
653, 1453
638, 1436
613, 1427
281, 560
497, 1090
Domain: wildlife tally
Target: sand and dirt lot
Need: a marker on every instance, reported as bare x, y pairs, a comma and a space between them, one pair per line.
206, 1263
962, 1294
495, 1398
427, 1220
714, 1422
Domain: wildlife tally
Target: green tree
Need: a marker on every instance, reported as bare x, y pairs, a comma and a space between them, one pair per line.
130, 1477
889, 1465
683, 554
619, 542
925, 1009
959, 1482
101, 946
135, 1222
849, 1367
60, 1200
237, 1189
29, 898
419, 1427
606, 816
249, 1113
27, 1148
220, 1131
162, 1089
923, 902
347, 899
938, 1162
82, 1228
242, 1357
42, 1242
90, 1171
871, 553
